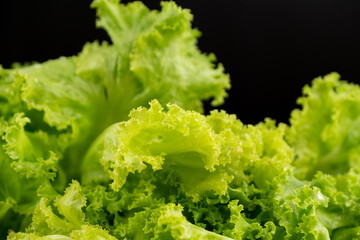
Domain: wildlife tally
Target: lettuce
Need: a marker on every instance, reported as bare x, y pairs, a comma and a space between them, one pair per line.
112, 144
170, 173
51, 112
325, 133
172, 156
68, 224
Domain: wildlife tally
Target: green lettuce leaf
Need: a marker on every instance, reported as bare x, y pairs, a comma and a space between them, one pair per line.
296, 209
163, 53
166, 222
178, 141
343, 194
325, 134
62, 218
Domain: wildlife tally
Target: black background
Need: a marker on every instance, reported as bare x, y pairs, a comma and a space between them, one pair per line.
271, 49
